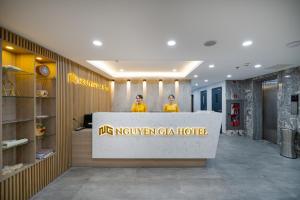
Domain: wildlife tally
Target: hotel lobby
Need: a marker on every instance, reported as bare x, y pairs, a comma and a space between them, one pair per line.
144, 99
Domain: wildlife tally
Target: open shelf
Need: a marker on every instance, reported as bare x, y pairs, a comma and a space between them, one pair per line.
45, 135
46, 110
22, 106
47, 79
45, 116
18, 106
17, 73
14, 146
20, 97
46, 98
15, 121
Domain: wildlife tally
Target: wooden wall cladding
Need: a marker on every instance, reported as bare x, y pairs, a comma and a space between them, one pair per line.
30, 180
73, 101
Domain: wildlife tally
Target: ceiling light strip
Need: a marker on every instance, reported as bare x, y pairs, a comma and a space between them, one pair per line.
125, 74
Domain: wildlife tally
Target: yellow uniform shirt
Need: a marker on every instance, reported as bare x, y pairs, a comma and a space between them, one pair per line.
142, 107
171, 107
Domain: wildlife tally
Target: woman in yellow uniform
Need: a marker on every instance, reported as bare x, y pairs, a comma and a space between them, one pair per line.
139, 105
172, 106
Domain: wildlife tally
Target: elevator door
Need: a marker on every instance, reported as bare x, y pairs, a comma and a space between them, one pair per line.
270, 110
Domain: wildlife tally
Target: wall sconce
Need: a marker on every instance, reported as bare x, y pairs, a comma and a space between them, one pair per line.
144, 88
160, 88
176, 88
112, 89
128, 89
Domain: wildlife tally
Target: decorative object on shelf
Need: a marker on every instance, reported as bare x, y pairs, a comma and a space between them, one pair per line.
6, 144
8, 87
40, 130
11, 68
44, 153
43, 70
12, 168
41, 93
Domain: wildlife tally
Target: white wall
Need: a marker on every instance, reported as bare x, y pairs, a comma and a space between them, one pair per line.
197, 99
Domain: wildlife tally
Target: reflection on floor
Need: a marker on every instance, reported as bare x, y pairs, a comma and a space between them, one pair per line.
243, 169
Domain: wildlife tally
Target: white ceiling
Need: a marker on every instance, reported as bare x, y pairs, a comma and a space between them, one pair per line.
137, 31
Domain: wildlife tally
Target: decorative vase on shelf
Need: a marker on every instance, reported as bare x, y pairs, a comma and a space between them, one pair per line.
40, 130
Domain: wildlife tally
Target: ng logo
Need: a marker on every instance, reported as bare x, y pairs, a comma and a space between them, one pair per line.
106, 129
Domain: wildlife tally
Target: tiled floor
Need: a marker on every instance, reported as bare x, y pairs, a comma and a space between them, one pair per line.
243, 169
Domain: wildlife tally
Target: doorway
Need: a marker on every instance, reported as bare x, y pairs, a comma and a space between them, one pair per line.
203, 100
216, 98
269, 94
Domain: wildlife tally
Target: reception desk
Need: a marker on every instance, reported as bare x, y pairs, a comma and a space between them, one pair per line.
148, 140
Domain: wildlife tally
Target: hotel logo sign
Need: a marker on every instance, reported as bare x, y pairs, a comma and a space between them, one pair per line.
106, 129
146, 131
73, 78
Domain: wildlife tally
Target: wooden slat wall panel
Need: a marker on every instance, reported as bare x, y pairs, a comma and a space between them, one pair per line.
72, 101
1, 106
26, 183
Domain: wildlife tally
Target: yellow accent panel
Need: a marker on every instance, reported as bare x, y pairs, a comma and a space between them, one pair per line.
8, 58
23, 61
26, 62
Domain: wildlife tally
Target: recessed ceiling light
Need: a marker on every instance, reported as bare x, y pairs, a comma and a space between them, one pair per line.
211, 66
171, 43
287, 76
39, 58
121, 70
9, 47
97, 43
196, 84
257, 66
229, 76
205, 80
247, 43
195, 76
174, 70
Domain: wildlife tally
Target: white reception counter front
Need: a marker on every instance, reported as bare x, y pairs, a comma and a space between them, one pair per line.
155, 135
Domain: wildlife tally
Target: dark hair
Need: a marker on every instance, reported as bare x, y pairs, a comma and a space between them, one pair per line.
140, 96
171, 95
